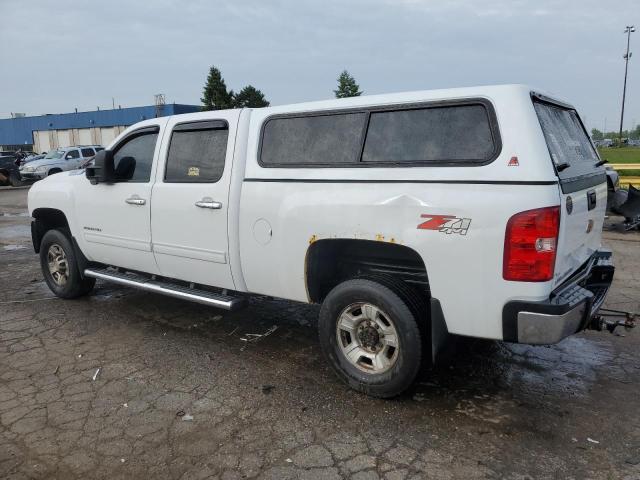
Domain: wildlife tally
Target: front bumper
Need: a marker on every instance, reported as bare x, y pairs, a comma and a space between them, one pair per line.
31, 175
569, 308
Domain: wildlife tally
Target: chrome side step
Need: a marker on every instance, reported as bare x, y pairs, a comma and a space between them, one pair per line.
128, 279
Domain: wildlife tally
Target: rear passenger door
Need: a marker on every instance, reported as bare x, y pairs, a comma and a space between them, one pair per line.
189, 208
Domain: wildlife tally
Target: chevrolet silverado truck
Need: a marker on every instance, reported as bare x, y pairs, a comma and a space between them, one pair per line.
409, 217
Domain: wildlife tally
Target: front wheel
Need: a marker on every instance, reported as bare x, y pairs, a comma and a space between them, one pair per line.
370, 337
14, 179
60, 267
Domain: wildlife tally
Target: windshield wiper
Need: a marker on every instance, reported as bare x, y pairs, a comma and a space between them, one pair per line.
601, 162
562, 166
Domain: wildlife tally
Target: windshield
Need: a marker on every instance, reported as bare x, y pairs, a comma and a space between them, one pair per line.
569, 145
54, 154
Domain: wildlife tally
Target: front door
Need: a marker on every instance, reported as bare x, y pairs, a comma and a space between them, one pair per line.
114, 219
71, 160
190, 199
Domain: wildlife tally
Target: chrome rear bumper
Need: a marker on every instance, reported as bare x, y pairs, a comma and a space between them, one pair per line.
568, 310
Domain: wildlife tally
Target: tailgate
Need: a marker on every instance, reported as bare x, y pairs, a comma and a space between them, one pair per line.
583, 187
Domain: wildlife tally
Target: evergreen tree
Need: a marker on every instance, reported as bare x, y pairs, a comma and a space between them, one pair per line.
347, 86
250, 96
215, 95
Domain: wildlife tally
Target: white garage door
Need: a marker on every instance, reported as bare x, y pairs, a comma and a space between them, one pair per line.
41, 141
64, 138
84, 136
107, 135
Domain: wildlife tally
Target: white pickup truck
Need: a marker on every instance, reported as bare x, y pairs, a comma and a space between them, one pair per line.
409, 217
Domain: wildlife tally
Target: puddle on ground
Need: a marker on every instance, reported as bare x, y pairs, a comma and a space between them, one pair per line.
13, 247
489, 381
15, 231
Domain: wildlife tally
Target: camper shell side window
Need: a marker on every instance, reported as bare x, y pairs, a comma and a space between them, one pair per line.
455, 133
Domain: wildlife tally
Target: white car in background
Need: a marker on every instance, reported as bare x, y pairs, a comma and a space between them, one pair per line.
58, 160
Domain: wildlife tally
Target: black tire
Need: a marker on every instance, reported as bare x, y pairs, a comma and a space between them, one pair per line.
406, 366
53, 171
74, 286
14, 179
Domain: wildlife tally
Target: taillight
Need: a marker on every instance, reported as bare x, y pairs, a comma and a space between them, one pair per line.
530, 245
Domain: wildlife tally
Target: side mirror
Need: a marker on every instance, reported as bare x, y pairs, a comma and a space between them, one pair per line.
102, 170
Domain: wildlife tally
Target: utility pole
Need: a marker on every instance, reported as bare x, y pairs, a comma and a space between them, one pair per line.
629, 30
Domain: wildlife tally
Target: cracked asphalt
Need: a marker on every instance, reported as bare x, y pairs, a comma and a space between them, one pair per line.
127, 384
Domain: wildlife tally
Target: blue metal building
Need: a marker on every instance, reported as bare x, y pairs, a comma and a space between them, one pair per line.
18, 132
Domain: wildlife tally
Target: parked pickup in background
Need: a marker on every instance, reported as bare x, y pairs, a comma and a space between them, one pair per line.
410, 217
58, 160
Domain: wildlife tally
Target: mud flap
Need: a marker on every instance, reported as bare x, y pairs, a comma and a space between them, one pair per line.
439, 331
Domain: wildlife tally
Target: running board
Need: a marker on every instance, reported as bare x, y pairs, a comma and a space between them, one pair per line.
129, 279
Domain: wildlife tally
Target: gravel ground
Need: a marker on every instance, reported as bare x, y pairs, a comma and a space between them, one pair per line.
127, 384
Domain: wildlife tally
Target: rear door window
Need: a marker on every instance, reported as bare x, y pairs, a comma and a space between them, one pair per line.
88, 152
197, 152
568, 142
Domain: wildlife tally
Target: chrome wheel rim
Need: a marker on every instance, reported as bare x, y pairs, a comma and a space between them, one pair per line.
367, 338
58, 266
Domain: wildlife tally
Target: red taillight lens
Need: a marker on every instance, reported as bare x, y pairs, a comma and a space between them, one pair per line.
530, 245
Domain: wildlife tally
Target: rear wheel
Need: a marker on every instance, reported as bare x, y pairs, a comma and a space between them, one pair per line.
60, 267
371, 337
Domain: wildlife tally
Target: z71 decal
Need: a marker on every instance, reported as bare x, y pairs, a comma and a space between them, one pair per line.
445, 223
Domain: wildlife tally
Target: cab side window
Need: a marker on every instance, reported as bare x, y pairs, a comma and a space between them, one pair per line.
197, 152
87, 152
133, 159
72, 154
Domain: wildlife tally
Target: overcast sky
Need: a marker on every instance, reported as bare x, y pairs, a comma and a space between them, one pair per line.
59, 55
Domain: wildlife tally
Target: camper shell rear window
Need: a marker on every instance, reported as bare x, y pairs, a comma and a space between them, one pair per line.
456, 133
572, 153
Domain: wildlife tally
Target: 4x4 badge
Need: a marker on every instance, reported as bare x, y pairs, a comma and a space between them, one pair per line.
445, 223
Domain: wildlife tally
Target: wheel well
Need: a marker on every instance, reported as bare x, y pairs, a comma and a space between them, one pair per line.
54, 170
46, 219
331, 261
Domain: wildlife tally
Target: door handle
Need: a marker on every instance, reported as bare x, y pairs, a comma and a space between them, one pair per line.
135, 200
591, 199
208, 202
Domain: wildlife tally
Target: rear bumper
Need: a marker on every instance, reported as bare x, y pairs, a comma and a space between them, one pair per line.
568, 309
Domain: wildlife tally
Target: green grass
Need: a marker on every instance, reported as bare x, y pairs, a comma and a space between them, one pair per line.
622, 155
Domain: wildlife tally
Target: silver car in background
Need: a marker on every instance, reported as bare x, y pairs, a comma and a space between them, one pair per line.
58, 160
